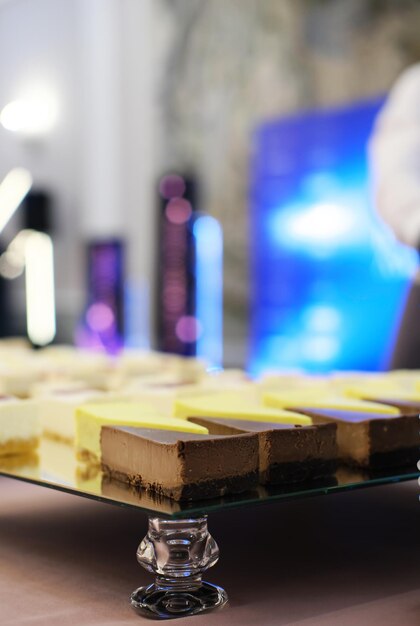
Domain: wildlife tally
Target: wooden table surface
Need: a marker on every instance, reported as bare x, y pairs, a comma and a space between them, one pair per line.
350, 559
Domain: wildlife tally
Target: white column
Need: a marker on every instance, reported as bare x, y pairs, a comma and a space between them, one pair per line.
119, 55
140, 72
102, 210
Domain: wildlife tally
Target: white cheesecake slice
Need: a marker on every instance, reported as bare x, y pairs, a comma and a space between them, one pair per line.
19, 426
57, 411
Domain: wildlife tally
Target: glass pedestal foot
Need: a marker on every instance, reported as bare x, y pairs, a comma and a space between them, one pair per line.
178, 552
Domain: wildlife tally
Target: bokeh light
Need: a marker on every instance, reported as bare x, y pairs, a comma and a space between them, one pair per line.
178, 211
188, 329
100, 317
171, 186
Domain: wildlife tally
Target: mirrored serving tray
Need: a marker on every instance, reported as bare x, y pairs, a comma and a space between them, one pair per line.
55, 466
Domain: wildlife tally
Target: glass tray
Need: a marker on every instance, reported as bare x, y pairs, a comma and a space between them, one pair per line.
55, 466
178, 547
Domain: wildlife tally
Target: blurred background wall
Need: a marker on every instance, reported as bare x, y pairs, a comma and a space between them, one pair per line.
234, 64
146, 87
95, 60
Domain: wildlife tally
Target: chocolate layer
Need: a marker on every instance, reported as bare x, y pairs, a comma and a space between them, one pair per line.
181, 465
370, 439
404, 457
202, 490
287, 453
302, 471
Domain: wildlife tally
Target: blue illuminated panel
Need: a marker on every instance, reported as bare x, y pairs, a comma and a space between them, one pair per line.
209, 288
328, 278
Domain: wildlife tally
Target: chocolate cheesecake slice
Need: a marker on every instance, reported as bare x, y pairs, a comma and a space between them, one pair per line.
369, 434
179, 465
287, 453
372, 440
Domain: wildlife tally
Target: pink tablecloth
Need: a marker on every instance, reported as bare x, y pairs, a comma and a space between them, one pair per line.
349, 559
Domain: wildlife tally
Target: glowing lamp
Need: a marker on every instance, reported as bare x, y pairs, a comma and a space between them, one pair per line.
31, 117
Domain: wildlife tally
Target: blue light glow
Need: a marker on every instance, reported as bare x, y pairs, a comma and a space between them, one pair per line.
209, 288
320, 227
328, 278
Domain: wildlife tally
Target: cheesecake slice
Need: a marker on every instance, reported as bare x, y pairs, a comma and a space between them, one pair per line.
287, 453
48, 388
19, 426
179, 465
369, 434
233, 406
372, 440
91, 417
25, 465
17, 379
164, 396
58, 410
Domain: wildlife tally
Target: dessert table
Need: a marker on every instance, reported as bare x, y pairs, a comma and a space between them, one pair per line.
350, 558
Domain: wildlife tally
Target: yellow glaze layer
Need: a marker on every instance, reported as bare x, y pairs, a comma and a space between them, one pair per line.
292, 399
232, 406
393, 392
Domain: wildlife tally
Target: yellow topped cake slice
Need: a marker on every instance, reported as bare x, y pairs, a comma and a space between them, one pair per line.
373, 391
91, 417
320, 400
233, 406
164, 397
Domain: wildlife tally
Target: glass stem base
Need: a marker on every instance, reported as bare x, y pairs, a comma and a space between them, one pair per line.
177, 552
155, 602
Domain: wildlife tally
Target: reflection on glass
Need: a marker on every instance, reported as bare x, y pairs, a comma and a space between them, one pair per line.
55, 466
